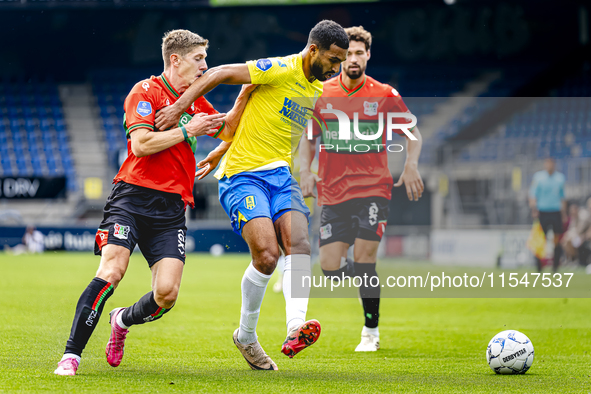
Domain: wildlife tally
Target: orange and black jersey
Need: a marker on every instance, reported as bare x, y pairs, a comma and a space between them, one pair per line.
171, 170
348, 171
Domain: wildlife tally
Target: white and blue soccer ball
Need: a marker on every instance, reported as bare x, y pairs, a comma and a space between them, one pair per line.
510, 352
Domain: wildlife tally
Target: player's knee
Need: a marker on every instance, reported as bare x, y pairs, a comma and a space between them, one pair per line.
111, 274
301, 245
166, 298
266, 261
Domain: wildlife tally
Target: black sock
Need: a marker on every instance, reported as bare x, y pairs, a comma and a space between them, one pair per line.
347, 271
143, 311
88, 311
370, 296
557, 255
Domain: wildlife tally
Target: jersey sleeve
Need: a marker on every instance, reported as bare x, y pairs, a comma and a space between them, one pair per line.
318, 122
397, 105
140, 107
271, 71
202, 105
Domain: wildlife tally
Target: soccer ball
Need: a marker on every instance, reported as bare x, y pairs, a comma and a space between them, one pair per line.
510, 352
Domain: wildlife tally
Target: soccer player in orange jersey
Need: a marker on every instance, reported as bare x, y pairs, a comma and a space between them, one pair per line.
354, 184
147, 204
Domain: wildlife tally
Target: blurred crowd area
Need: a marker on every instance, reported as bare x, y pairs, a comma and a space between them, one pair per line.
496, 88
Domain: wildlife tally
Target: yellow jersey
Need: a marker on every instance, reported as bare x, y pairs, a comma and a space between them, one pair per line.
275, 116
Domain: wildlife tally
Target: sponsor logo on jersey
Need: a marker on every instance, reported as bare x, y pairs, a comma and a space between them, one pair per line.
144, 108
250, 202
264, 64
298, 84
146, 86
294, 112
326, 231
370, 109
121, 232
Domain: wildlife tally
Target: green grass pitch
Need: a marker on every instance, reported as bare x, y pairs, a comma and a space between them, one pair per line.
428, 345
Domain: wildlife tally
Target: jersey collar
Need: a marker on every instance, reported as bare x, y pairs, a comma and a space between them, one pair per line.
355, 89
169, 86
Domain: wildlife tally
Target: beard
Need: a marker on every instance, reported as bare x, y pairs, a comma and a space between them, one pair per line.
356, 73
318, 71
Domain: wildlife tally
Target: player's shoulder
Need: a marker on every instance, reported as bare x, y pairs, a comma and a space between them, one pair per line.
147, 87
380, 88
277, 64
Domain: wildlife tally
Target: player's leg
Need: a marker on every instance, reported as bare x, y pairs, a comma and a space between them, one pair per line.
162, 242
114, 262
372, 214
365, 255
292, 232
558, 229
245, 198
260, 237
546, 223
337, 234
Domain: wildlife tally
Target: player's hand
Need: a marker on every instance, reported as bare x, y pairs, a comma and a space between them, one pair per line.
208, 164
307, 182
202, 124
413, 182
167, 117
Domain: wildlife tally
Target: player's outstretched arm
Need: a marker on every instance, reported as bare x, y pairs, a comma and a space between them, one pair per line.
234, 115
410, 175
230, 74
146, 142
307, 178
212, 160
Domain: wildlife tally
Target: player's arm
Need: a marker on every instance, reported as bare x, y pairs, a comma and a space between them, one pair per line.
146, 142
410, 175
231, 74
307, 178
234, 115
212, 160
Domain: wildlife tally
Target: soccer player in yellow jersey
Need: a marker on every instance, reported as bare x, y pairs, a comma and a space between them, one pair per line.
256, 187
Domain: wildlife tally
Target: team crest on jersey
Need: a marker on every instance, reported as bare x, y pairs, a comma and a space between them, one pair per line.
121, 232
250, 203
264, 64
370, 109
326, 231
144, 108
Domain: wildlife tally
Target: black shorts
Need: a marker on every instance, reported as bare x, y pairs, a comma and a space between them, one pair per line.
152, 219
363, 218
552, 220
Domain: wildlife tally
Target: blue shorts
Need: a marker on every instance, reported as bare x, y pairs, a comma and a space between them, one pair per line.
267, 194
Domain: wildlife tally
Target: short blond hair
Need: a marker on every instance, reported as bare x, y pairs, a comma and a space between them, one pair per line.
180, 42
358, 33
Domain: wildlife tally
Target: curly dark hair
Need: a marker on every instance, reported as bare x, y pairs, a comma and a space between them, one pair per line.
358, 33
326, 33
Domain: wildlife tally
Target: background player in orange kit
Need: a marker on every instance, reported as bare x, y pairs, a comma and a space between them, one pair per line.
147, 204
354, 189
